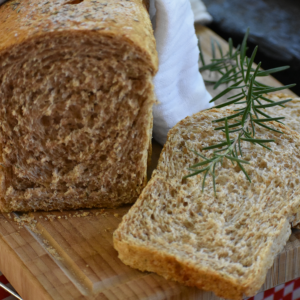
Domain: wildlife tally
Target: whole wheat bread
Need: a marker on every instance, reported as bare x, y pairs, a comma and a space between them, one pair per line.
76, 98
291, 112
224, 244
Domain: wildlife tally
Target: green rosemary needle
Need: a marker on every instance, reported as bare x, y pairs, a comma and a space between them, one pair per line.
236, 68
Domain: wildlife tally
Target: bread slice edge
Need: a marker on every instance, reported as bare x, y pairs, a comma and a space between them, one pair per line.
149, 258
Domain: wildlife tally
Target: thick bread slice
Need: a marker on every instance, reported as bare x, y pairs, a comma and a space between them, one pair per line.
76, 98
226, 243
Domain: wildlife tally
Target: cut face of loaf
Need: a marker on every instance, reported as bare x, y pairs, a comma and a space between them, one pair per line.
224, 244
291, 112
76, 98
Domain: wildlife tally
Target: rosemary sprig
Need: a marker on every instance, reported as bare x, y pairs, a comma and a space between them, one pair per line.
236, 68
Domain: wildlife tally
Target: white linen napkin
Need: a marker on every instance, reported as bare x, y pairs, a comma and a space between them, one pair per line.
179, 86
200, 13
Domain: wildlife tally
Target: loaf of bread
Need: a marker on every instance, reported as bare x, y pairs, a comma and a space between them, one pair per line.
76, 98
223, 244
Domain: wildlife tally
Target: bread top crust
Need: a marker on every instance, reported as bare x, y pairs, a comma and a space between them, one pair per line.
30, 19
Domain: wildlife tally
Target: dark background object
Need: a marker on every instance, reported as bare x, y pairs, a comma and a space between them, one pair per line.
274, 27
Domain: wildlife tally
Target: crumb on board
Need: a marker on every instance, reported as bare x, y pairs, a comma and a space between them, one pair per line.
51, 217
25, 219
101, 212
29, 219
51, 250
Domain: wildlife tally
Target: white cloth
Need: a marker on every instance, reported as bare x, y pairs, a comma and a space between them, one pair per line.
179, 86
200, 13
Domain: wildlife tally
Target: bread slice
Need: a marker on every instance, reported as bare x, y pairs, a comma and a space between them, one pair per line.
76, 99
224, 244
291, 112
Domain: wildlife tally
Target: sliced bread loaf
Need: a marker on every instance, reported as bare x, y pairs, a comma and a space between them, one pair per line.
224, 244
76, 98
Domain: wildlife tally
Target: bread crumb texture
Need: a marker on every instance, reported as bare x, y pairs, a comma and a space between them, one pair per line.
291, 112
76, 98
223, 244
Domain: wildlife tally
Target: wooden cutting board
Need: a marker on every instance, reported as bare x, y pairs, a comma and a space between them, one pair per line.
70, 255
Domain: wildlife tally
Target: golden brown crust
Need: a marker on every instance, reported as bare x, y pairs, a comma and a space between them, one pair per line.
19, 22
151, 260
147, 4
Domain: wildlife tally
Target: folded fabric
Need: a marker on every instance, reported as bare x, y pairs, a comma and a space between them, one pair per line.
200, 13
179, 86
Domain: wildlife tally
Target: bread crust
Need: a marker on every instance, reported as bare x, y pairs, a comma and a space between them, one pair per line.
20, 23
170, 268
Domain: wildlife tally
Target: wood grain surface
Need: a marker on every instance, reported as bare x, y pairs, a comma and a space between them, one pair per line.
70, 255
